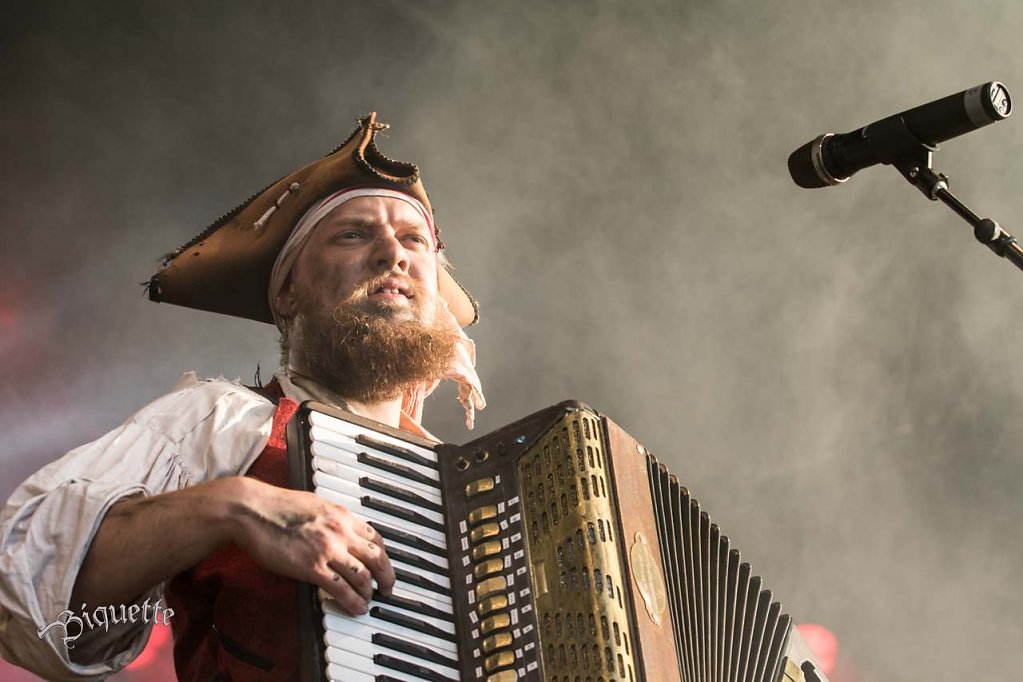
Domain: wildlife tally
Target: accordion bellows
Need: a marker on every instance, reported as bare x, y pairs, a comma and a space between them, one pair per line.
570, 554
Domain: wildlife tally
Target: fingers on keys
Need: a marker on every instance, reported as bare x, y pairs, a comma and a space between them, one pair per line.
374, 558
339, 580
349, 578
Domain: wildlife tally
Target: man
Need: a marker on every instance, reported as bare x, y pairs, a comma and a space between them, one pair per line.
344, 257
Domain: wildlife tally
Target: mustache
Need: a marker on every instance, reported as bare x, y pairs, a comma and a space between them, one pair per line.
371, 284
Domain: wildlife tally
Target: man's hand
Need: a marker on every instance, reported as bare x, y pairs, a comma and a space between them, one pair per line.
302, 536
292, 533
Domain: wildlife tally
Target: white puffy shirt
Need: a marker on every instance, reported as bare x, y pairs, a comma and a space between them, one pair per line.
202, 430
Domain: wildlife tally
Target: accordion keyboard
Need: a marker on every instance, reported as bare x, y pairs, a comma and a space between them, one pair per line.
395, 486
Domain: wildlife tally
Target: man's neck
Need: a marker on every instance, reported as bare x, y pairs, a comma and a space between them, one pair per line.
387, 412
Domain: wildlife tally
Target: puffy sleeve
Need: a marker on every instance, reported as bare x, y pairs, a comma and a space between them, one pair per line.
200, 431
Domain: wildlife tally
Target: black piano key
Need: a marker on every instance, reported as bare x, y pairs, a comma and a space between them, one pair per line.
396, 469
411, 623
399, 493
410, 515
391, 533
387, 641
415, 560
396, 450
409, 668
419, 581
414, 605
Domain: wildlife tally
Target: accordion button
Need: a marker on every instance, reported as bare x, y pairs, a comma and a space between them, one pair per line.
501, 640
504, 676
481, 485
496, 603
501, 660
480, 552
498, 621
488, 567
478, 516
490, 586
488, 530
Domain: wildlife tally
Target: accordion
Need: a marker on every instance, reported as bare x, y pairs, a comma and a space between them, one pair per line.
556, 548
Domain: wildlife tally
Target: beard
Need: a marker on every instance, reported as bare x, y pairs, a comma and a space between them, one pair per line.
372, 352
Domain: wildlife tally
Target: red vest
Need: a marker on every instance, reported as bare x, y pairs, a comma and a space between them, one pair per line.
233, 620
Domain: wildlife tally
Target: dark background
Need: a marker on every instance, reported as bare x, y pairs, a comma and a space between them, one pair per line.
832, 373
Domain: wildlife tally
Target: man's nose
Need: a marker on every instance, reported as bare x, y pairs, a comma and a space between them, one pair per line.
389, 254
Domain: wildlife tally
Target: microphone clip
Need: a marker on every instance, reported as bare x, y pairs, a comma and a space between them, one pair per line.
894, 144
915, 164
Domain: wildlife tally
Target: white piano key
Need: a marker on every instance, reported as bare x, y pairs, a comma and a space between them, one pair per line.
356, 449
349, 442
340, 646
440, 563
437, 571
411, 591
437, 601
366, 626
356, 659
440, 580
401, 589
443, 625
431, 599
353, 468
337, 671
350, 487
343, 428
320, 419
343, 452
354, 504
365, 635
350, 453
423, 594
349, 460
407, 590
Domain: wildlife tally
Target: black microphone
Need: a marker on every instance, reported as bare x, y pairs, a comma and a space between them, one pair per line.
831, 159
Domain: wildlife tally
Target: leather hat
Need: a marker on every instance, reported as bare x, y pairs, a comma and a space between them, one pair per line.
226, 268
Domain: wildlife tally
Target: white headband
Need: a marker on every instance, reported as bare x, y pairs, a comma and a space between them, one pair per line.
317, 212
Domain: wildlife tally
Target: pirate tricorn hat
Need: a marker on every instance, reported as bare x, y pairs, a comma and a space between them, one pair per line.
226, 268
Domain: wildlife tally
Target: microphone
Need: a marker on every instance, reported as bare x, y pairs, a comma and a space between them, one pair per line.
832, 159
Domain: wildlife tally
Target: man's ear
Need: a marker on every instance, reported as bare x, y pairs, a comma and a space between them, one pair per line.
284, 301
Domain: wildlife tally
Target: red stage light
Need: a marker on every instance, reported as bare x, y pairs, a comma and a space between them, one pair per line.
823, 643
160, 642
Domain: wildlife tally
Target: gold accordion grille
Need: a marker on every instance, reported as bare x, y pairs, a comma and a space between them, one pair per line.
574, 555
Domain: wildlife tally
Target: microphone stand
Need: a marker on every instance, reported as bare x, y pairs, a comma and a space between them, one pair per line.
912, 158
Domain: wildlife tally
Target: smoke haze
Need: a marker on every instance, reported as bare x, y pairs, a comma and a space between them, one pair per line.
832, 373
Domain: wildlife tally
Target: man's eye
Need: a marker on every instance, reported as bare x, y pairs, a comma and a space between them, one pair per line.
348, 235
418, 238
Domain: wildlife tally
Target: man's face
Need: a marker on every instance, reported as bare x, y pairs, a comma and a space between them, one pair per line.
377, 253
362, 303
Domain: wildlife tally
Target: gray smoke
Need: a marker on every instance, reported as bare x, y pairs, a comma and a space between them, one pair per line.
831, 372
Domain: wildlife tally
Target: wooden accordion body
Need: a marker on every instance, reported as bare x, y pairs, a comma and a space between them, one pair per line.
572, 555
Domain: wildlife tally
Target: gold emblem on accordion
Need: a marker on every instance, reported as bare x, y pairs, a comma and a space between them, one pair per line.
648, 578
